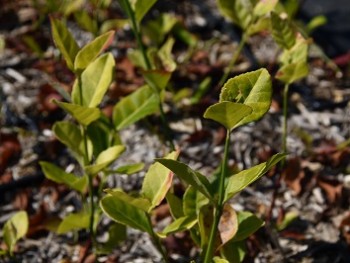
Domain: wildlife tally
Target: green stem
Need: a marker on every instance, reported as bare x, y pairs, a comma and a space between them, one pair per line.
208, 256
233, 60
157, 242
137, 32
86, 162
285, 118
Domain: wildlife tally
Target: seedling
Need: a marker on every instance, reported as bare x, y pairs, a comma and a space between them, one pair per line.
204, 210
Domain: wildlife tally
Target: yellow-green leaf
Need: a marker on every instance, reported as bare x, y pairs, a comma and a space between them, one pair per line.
64, 41
15, 228
95, 81
292, 72
239, 12
141, 8
282, 31
74, 221
90, 52
83, 115
264, 7
179, 225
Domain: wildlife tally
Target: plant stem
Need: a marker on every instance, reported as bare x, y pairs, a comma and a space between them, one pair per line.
218, 209
285, 118
86, 162
233, 60
156, 241
137, 34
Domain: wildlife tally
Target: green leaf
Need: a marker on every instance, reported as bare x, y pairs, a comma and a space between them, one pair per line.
91, 51
104, 159
95, 81
129, 168
234, 251
138, 202
85, 21
157, 181
74, 221
64, 41
15, 228
282, 31
241, 180
253, 89
263, 7
70, 135
83, 115
289, 217
292, 72
179, 225
262, 24
157, 29
116, 234
220, 260
227, 113
166, 56
248, 224
58, 175
141, 8
134, 107
125, 213
315, 23
175, 205
237, 11
193, 201
157, 79
297, 54
194, 178
205, 221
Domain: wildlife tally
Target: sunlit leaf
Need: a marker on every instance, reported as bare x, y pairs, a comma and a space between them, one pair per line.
58, 175
90, 52
248, 224
14, 229
227, 113
134, 107
179, 225
139, 202
220, 260
289, 217
74, 221
105, 158
142, 7
264, 7
253, 89
166, 55
158, 180
125, 213
282, 31
83, 115
241, 180
157, 79
129, 168
238, 11
292, 72
297, 54
95, 81
228, 224
64, 41
193, 178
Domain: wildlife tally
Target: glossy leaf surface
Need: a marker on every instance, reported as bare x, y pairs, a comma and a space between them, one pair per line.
91, 51
134, 107
95, 81
158, 180
124, 213
253, 89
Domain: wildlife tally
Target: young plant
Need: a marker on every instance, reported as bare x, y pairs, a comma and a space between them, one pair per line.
14, 229
293, 61
204, 210
250, 16
91, 138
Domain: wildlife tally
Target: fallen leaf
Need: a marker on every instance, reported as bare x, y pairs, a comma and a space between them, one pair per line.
293, 175
332, 188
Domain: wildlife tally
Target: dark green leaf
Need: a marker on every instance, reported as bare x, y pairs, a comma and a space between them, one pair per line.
248, 224
234, 251
175, 205
125, 213
193, 201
